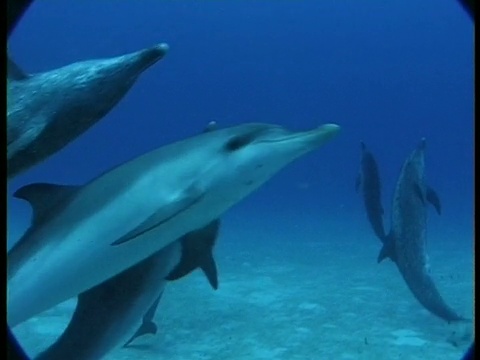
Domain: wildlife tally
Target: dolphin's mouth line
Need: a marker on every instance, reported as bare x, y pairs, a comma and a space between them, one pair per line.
303, 134
288, 137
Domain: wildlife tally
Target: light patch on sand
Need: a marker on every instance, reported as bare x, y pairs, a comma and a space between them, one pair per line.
365, 288
264, 298
409, 340
404, 332
308, 306
349, 356
407, 337
302, 330
329, 326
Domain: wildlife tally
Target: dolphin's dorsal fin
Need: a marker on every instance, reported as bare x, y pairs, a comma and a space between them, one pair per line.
209, 268
43, 197
433, 199
197, 247
211, 126
14, 72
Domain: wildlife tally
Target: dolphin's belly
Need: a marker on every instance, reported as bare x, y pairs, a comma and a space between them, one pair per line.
63, 269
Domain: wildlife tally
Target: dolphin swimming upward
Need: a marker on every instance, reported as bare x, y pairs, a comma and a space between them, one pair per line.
107, 314
369, 182
405, 244
82, 236
46, 111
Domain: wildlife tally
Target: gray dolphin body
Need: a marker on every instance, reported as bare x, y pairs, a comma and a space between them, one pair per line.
46, 111
83, 236
406, 242
107, 314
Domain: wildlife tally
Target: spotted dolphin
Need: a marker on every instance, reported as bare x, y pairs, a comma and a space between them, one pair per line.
47, 111
108, 314
406, 242
84, 235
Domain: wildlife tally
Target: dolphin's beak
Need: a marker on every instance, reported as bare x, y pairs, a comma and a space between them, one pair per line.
318, 136
422, 144
326, 132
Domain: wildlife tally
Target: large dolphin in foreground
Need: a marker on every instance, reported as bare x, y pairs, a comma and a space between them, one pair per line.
405, 244
108, 314
82, 236
46, 111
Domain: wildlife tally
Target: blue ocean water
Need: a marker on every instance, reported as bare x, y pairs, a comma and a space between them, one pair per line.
387, 73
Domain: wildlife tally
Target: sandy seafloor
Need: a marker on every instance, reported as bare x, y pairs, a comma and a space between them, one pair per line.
298, 288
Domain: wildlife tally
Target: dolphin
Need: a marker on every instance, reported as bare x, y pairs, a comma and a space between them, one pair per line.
108, 313
369, 182
48, 110
406, 242
84, 235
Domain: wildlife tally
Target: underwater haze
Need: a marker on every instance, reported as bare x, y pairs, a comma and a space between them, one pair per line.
297, 260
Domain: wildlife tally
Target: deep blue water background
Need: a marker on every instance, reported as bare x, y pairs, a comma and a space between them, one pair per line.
388, 72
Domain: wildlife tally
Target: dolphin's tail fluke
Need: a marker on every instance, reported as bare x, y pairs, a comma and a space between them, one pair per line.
148, 327
387, 250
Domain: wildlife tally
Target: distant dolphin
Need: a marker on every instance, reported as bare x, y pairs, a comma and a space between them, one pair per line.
107, 314
406, 242
46, 111
369, 181
196, 253
15, 11
82, 236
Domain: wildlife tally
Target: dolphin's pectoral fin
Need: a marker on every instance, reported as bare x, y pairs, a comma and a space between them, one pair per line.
387, 250
169, 211
433, 199
43, 197
209, 268
14, 72
419, 192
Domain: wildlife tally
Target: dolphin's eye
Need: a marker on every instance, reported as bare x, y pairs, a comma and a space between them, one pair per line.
237, 142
